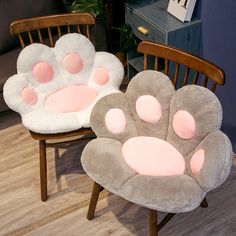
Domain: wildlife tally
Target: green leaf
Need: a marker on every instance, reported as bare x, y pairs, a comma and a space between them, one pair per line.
94, 7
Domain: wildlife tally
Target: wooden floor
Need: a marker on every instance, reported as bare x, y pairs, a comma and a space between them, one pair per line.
22, 212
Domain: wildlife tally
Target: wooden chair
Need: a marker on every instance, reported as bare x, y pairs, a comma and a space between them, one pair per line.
33, 30
53, 24
183, 68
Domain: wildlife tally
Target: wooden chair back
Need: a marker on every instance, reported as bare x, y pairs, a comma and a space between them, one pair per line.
51, 27
183, 68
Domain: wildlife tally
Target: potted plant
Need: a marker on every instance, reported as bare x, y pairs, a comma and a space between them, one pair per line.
127, 42
102, 12
94, 7
97, 9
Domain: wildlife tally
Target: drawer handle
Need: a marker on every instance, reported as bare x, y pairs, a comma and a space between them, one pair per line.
143, 30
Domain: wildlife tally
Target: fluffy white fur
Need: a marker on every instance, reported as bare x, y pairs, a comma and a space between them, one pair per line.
35, 117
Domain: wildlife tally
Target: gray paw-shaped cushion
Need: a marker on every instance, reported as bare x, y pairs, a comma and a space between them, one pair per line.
158, 147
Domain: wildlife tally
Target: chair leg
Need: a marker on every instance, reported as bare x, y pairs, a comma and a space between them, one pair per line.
165, 220
97, 188
153, 222
43, 170
204, 203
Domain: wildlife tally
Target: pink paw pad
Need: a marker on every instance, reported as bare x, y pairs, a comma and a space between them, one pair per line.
29, 96
70, 99
148, 109
153, 156
101, 76
197, 161
73, 63
184, 124
115, 120
42, 72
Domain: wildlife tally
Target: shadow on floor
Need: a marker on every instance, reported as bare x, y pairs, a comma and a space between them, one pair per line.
9, 118
67, 164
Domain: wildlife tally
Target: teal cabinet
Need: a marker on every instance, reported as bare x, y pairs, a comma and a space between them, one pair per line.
150, 21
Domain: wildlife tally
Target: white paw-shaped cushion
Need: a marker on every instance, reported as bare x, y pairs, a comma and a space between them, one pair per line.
55, 89
159, 147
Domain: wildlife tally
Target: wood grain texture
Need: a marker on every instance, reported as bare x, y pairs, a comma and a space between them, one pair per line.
51, 21
179, 56
22, 213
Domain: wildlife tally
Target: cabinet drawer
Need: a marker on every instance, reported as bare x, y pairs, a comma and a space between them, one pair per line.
153, 32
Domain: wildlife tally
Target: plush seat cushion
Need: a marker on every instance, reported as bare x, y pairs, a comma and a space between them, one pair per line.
55, 89
167, 152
